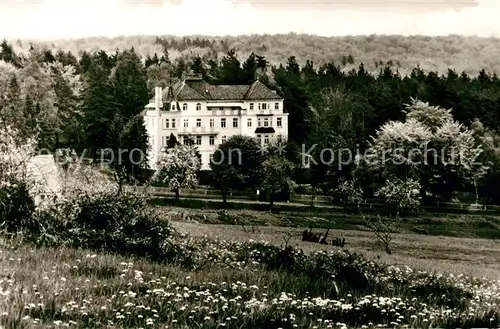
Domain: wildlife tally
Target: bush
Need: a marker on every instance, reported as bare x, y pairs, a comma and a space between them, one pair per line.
105, 220
16, 206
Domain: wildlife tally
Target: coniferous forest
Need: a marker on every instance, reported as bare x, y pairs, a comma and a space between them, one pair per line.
75, 95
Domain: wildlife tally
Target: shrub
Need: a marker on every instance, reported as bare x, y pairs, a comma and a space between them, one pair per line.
113, 222
93, 213
403, 195
16, 206
348, 192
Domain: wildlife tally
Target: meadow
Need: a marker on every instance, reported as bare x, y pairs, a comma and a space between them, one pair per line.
244, 275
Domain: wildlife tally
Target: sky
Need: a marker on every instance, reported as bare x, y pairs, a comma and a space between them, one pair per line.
56, 19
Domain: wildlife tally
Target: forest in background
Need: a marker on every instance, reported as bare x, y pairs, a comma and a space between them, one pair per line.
468, 54
91, 100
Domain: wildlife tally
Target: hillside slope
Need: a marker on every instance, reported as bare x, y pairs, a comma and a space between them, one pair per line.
469, 54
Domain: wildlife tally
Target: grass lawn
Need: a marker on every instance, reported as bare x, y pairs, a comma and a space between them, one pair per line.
486, 226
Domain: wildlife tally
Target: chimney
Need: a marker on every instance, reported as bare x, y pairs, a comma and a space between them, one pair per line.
158, 97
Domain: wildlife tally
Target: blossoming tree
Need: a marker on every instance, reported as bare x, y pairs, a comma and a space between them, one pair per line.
429, 147
177, 167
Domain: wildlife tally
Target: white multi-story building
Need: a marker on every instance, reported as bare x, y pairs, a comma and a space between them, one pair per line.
210, 114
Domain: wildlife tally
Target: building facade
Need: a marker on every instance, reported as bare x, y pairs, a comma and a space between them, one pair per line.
210, 114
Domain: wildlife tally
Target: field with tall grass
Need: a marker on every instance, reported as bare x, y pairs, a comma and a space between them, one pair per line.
230, 282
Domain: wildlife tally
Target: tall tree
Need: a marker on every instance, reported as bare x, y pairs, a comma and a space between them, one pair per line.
98, 107
129, 82
128, 141
249, 70
230, 71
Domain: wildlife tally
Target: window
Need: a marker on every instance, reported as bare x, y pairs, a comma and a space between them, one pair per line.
184, 107
211, 140
278, 122
198, 140
235, 122
167, 123
173, 123
266, 122
198, 107
258, 105
186, 123
279, 139
276, 106
173, 107
224, 138
198, 122
249, 122
264, 106
251, 106
259, 139
185, 140
212, 123
259, 122
266, 140
223, 123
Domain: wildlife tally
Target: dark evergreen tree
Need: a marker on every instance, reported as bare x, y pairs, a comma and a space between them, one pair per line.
249, 71
197, 66
230, 71
172, 141
129, 82
98, 107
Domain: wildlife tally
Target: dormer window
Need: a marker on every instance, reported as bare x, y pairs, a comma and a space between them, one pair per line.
198, 107
173, 107
184, 107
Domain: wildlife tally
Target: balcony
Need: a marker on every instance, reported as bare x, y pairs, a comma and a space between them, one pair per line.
266, 112
198, 131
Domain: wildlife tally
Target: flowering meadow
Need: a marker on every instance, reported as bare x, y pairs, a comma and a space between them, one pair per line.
220, 284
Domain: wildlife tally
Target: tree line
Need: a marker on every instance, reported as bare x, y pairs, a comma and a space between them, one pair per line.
469, 54
92, 101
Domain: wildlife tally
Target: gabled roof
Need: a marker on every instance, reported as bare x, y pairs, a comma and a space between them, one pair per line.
187, 93
198, 89
258, 91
